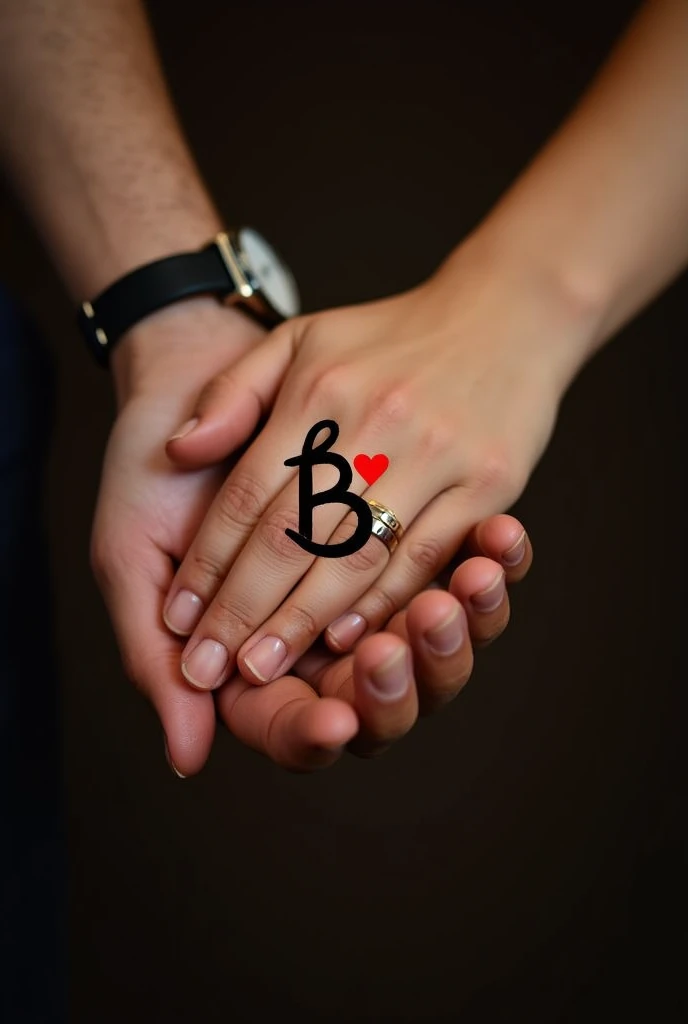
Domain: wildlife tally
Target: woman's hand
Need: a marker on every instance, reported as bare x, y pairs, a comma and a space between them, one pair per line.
457, 382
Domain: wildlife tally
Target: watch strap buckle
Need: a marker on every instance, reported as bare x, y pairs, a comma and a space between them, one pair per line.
95, 334
242, 285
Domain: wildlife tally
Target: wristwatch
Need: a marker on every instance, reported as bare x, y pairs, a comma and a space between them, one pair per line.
239, 267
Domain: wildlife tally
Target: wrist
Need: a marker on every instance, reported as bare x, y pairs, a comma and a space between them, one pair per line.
194, 338
114, 241
568, 312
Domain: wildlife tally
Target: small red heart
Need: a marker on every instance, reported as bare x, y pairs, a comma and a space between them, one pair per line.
371, 469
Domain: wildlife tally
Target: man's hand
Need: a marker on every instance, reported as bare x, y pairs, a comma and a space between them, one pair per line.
365, 701
148, 510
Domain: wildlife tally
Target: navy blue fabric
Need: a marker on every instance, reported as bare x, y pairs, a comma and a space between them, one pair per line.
32, 848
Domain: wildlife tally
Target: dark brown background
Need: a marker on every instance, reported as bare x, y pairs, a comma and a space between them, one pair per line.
521, 856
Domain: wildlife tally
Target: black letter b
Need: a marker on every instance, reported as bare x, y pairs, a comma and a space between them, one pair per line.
338, 493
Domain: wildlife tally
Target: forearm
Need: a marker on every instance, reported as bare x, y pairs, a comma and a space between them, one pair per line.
90, 139
602, 212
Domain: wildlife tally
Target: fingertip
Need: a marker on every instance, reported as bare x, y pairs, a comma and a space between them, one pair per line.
474, 576
480, 585
170, 762
206, 444
188, 733
324, 728
431, 609
504, 539
386, 696
496, 535
375, 650
332, 723
185, 429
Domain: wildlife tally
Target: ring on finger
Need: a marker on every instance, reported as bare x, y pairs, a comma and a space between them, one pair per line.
386, 525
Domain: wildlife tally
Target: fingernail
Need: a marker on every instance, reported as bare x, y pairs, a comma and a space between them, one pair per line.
184, 613
446, 638
171, 762
514, 554
266, 657
390, 681
185, 429
491, 597
346, 629
206, 663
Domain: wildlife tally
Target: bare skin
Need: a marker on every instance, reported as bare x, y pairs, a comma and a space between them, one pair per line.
457, 381
92, 143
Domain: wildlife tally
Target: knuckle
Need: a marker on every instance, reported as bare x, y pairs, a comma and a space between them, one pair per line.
240, 502
304, 621
271, 533
228, 617
494, 472
380, 605
389, 407
436, 439
326, 385
425, 556
372, 555
206, 569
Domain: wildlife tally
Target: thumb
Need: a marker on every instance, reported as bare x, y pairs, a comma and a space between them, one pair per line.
232, 404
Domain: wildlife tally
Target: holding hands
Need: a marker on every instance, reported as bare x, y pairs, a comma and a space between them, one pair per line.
456, 382
148, 521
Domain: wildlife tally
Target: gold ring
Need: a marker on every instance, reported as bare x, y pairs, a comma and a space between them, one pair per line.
386, 525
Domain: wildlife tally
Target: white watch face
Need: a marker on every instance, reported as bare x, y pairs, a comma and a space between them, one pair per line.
272, 276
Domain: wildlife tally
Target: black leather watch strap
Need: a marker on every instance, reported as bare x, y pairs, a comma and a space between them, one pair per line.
106, 318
